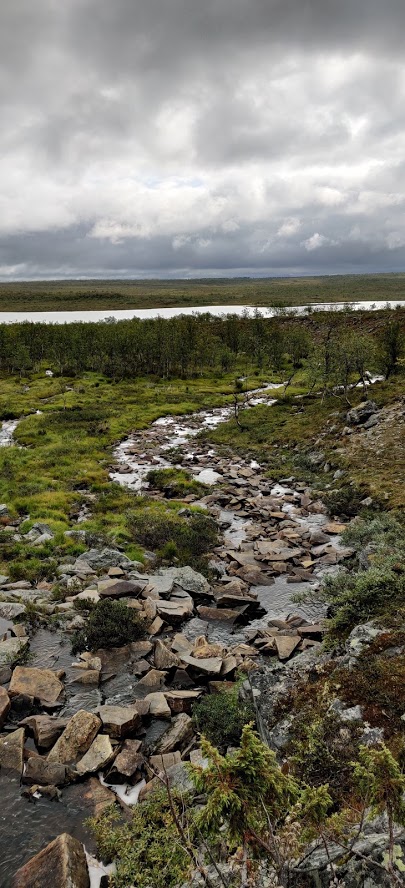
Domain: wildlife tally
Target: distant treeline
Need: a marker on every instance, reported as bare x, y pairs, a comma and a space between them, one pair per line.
337, 344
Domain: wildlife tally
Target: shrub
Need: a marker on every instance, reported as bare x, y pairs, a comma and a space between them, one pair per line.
357, 598
221, 717
189, 537
345, 502
146, 850
109, 624
175, 483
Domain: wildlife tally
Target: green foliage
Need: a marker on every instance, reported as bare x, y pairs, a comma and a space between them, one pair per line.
175, 483
163, 530
109, 624
243, 789
345, 501
147, 850
221, 717
384, 532
381, 782
359, 597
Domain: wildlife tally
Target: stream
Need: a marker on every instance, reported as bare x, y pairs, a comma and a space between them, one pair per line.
242, 500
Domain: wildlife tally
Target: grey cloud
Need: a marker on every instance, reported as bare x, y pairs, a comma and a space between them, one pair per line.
175, 136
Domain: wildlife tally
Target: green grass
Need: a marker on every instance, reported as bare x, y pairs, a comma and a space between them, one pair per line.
65, 451
109, 294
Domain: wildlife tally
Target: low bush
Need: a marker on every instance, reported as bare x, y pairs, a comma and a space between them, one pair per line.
109, 624
221, 717
175, 483
163, 531
345, 502
355, 598
147, 850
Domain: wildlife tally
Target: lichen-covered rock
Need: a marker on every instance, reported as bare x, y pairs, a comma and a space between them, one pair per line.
77, 737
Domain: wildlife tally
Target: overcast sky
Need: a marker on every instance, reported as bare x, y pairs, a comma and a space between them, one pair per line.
201, 137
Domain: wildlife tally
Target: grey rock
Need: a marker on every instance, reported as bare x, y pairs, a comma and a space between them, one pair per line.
188, 579
38, 530
347, 714
279, 736
11, 649
372, 736
361, 637
12, 750
10, 610
359, 415
106, 558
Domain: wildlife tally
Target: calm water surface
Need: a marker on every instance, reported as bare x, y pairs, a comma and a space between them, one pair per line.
69, 317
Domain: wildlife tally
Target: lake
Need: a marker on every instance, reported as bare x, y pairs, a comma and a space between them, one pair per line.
69, 317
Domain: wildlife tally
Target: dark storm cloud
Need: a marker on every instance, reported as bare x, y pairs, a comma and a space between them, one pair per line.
175, 136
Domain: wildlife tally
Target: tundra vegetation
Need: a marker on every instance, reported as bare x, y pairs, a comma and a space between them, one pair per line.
250, 816
108, 295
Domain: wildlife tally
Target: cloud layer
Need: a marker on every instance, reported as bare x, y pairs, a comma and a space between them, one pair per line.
175, 137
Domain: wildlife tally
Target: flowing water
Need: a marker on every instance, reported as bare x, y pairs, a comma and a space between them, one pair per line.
27, 826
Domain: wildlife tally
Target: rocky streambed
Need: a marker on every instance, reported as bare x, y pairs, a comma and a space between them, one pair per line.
77, 736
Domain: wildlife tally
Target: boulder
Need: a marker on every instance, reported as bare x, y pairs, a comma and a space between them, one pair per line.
163, 657
359, 415
4, 706
188, 579
98, 756
77, 737
10, 610
12, 750
223, 615
120, 721
208, 666
119, 588
181, 701
98, 797
158, 705
41, 684
361, 637
178, 778
46, 729
155, 678
62, 864
163, 762
160, 586
178, 736
105, 559
174, 611
128, 763
286, 645
39, 770
11, 649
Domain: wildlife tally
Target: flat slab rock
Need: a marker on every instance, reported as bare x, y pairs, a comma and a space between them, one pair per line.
207, 666
42, 684
119, 721
62, 864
